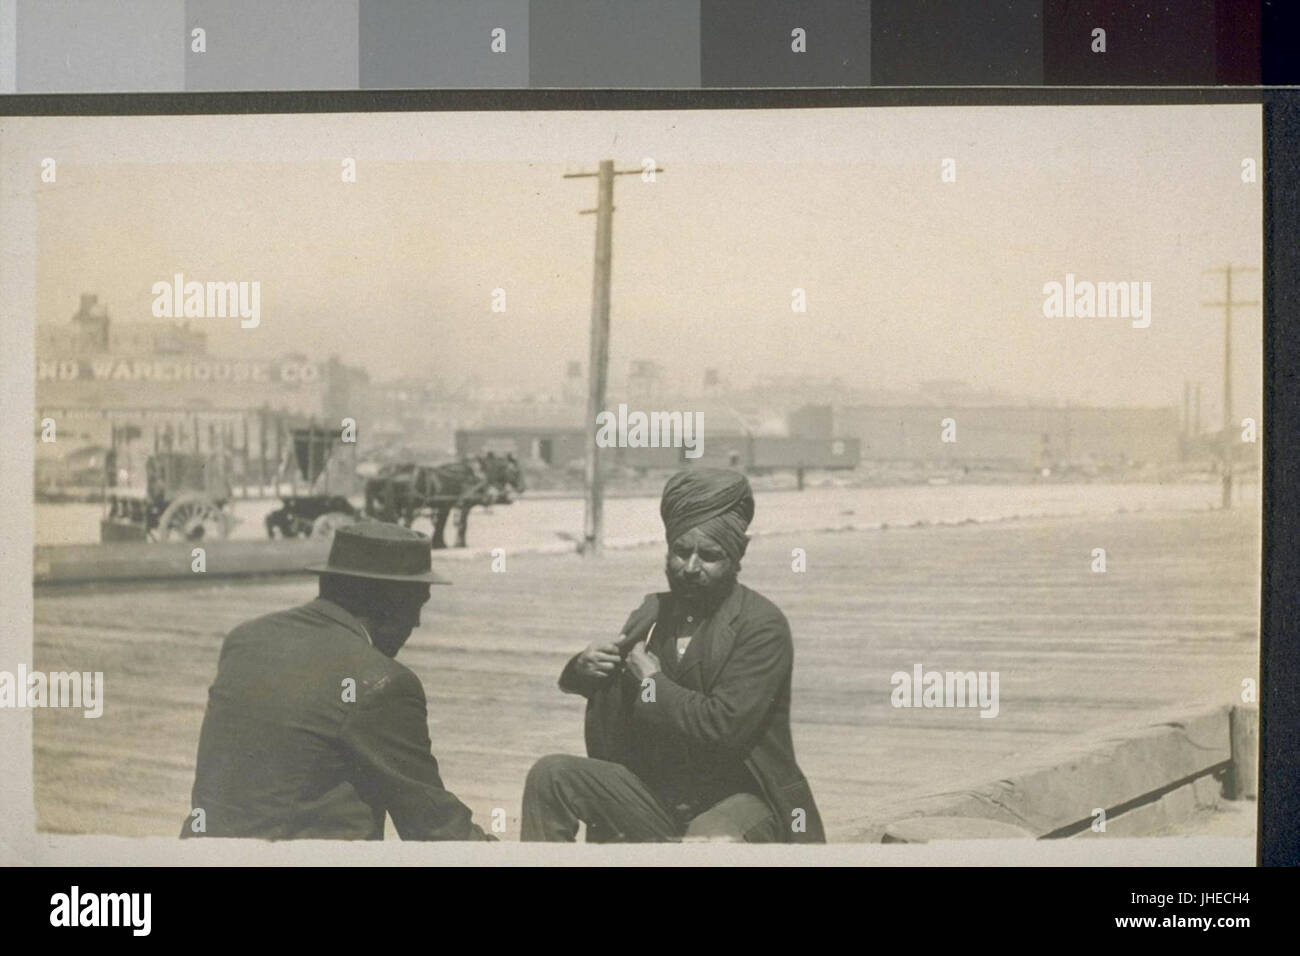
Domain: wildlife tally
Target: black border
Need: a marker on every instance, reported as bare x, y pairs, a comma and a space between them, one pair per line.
396, 101
1279, 792
1279, 789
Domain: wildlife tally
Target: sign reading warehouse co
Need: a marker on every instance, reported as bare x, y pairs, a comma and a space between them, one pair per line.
176, 370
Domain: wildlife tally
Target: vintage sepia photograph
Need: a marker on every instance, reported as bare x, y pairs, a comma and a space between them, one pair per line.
773, 476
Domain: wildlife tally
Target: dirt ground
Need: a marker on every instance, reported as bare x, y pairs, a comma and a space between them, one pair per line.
1172, 622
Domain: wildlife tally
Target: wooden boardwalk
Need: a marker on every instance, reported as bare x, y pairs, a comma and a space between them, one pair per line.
1172, 622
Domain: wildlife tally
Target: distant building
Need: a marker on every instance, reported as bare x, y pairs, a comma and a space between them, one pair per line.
574, 388
155, 381
553, 447
747, 438
560, 447
645, 383
811, 421
1015, 437
91, 332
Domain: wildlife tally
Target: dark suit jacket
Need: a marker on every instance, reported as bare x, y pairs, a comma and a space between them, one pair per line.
732, 692
283, 755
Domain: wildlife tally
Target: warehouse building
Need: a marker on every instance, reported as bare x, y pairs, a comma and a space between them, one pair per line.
136, 388
1015, 437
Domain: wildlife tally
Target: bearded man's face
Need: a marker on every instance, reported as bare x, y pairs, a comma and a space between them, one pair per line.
698, 569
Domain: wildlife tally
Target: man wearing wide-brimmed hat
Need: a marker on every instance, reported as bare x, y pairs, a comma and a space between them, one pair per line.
688, 713
312, 729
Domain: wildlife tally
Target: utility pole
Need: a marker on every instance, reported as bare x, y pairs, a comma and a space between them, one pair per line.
1228, 303
593, 519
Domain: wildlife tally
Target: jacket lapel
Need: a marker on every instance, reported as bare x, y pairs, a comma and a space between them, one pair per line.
704, 657
688, 668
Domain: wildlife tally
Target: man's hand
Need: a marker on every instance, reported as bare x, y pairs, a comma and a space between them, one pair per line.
599, 660
641, 663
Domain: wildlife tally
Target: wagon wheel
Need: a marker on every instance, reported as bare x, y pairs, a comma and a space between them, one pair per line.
193, 517
331, 521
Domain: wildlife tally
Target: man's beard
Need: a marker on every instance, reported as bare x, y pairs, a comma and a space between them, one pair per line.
705, 595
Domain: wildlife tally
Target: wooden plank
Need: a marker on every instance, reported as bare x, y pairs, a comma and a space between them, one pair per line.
1065, 788
62, 564
1243, 783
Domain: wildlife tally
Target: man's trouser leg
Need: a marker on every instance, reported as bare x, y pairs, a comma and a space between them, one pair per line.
562, 791
740, 818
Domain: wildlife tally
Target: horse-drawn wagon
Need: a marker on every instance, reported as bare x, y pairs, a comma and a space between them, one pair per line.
403, 492
322, 510
186, 498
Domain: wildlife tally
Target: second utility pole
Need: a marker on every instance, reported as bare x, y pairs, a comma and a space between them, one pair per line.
1226, 450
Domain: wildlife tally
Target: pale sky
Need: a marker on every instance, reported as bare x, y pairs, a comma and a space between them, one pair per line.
907, 278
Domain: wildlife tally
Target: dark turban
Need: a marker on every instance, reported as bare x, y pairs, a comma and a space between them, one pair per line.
718, 502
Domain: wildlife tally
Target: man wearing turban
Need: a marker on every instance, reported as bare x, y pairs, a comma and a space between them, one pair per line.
688, 711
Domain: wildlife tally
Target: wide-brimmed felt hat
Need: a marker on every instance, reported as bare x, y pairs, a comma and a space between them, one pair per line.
379, 550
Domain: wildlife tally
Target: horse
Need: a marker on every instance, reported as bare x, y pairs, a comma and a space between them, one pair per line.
401, 493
